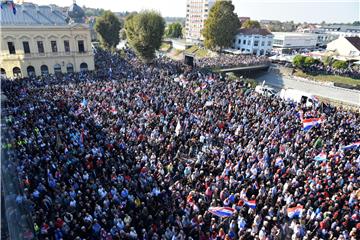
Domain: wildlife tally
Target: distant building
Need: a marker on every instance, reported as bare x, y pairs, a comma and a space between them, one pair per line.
197, 12
243, 19
347, 47
287, 41
256, 41
42, 40
342, 30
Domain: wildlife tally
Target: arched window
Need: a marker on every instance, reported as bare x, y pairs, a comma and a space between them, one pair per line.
31, 71
69, 68
3, 72
57, 68
83, 67
44, 70
16, 72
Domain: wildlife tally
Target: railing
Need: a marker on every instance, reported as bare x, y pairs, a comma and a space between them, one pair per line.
47, 54
16, 206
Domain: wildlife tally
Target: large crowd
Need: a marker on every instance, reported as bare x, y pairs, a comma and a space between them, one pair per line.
320, 68
136, 151
231, 60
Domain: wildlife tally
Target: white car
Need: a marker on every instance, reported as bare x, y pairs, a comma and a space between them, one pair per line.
265, 90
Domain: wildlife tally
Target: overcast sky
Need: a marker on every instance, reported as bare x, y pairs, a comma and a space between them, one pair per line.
296, 10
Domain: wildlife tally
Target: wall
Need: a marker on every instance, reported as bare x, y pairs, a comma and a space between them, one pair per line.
343, 47
46, 34
258, 50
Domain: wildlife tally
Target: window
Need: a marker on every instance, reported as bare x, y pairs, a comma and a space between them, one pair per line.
249, 42
53, 46
269, 43
262, 43
81, 46
278, 42
26, 47
239, 41
66, 45
40, 46
11, 47
244, 41
256, 43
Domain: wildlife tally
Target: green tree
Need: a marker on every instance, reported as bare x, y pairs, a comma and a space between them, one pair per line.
251, 24
299, 60
108, 27
356, 23
144, 32
340, 64
309, 61
174, 30
327, 60
221, 25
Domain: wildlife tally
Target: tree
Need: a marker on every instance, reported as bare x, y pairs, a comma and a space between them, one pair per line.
356, 23
122, 35
339, 64
327, 60
299, 60
221, 25
108, 27
144, 32
309, 61
174, 30
251, 24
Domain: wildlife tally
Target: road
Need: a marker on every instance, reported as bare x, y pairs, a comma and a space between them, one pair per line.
322, 90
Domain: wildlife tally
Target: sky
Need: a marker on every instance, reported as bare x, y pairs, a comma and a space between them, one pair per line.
284, 10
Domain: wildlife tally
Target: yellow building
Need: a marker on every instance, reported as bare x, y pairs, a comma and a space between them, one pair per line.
41, 40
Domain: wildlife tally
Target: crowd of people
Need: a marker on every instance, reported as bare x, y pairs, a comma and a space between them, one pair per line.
136, 151
320, 68
231, 60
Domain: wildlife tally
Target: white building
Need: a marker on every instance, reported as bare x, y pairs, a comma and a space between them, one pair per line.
197, 12
347, 47
288, 41
342, 30
257, 41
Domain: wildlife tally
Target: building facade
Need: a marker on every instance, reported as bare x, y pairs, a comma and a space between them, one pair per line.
197, 12
287, 41
256, 41
40, 40
347, 47
342, 30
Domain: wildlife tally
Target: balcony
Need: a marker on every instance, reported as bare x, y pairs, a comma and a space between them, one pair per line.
44, 55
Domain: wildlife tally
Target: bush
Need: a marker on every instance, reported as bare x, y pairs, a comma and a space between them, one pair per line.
309, 61
299, 60
339, 64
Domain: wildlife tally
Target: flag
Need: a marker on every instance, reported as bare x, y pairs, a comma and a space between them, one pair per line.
113, 110
250, 203
279, 161
352, 145
321, 157
222, 211
83, 103
310, 122
295, 211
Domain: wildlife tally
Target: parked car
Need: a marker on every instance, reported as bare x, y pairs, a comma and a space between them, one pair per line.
299, 97
265, 90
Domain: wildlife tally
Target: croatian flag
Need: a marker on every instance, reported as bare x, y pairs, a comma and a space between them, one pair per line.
321, 157
310, 122
279, 161
113, 110
250, 203
295, 211
352, 145
222, 211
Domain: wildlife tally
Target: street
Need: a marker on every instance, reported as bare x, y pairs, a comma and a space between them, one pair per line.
322, 90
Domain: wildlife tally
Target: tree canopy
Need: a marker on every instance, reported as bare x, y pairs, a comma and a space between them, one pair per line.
339, 64
299, 60
221, 25
108, 27
174, 30
251, 24
144, 32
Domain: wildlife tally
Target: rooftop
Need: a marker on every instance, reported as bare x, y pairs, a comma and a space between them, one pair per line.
32, 14
355, 41
254, 31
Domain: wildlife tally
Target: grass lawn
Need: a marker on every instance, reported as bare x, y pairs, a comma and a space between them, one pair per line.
329, 78
199, 52
165, 47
